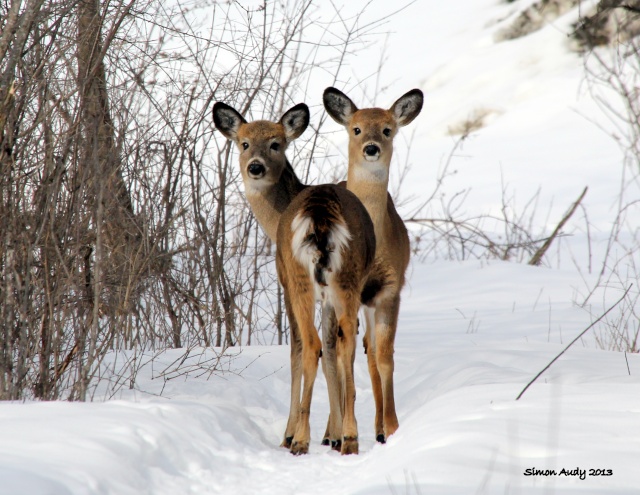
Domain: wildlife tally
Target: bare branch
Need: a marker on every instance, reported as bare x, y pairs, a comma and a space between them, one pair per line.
574, 341
537, 257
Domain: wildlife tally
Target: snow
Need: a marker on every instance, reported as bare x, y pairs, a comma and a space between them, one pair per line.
461, 429
472, 334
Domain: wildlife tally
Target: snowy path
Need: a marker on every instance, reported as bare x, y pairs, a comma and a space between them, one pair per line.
461, 429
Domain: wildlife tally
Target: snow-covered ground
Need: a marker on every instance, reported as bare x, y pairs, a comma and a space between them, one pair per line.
469, 341
471, 334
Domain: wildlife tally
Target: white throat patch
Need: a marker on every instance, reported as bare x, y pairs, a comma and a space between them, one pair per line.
371, 172
256, 186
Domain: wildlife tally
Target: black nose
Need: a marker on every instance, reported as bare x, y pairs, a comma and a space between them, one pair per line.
371, 150
256, 169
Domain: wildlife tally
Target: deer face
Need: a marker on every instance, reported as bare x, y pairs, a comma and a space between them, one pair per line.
371, 133
261, 143
371, 130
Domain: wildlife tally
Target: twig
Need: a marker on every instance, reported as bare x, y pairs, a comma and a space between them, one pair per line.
537, 257
573, 342
630, 8
65, 363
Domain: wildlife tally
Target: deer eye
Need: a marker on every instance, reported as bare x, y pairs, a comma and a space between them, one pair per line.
275, 146
386, 132
245, 146
356, 130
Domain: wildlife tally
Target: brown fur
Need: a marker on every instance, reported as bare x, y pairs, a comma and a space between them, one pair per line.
273, 197
271, 194
369, 179
327, 206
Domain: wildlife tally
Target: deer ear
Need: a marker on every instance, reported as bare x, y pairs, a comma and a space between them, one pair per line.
295, 121
227, 120
407, 107
338, 105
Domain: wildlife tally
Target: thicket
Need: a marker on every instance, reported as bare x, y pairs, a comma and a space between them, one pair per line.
122, 221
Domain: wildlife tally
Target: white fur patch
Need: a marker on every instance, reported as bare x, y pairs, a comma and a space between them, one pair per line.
303, 251
257, 186
371, 172
370, 327
307, 253
339, 239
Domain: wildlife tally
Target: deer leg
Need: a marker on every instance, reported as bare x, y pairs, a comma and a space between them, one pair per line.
333, 432
347, 328
376, 383
386, 317
296, 375
303, 305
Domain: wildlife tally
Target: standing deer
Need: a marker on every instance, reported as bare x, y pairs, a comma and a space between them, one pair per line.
371, 132
325, 249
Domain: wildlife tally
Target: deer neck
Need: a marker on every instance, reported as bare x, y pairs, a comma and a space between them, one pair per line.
369, 183
269, 203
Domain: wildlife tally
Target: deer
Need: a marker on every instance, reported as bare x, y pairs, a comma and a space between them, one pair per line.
325, 247
371, 133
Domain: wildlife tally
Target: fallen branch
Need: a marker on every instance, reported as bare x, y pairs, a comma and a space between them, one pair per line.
573, 342
65, 363
537, 257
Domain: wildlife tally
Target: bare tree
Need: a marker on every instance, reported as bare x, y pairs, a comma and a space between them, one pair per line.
122, 221
609, 38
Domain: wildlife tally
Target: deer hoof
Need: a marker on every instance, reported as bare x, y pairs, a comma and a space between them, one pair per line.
286, 443
349, 445
300, 448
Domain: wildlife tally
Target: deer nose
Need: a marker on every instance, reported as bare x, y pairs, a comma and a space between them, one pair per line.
256, 170
371, 150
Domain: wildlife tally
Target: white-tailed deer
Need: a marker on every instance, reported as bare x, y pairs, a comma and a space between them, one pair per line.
325, 249
371, 132
270, 182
